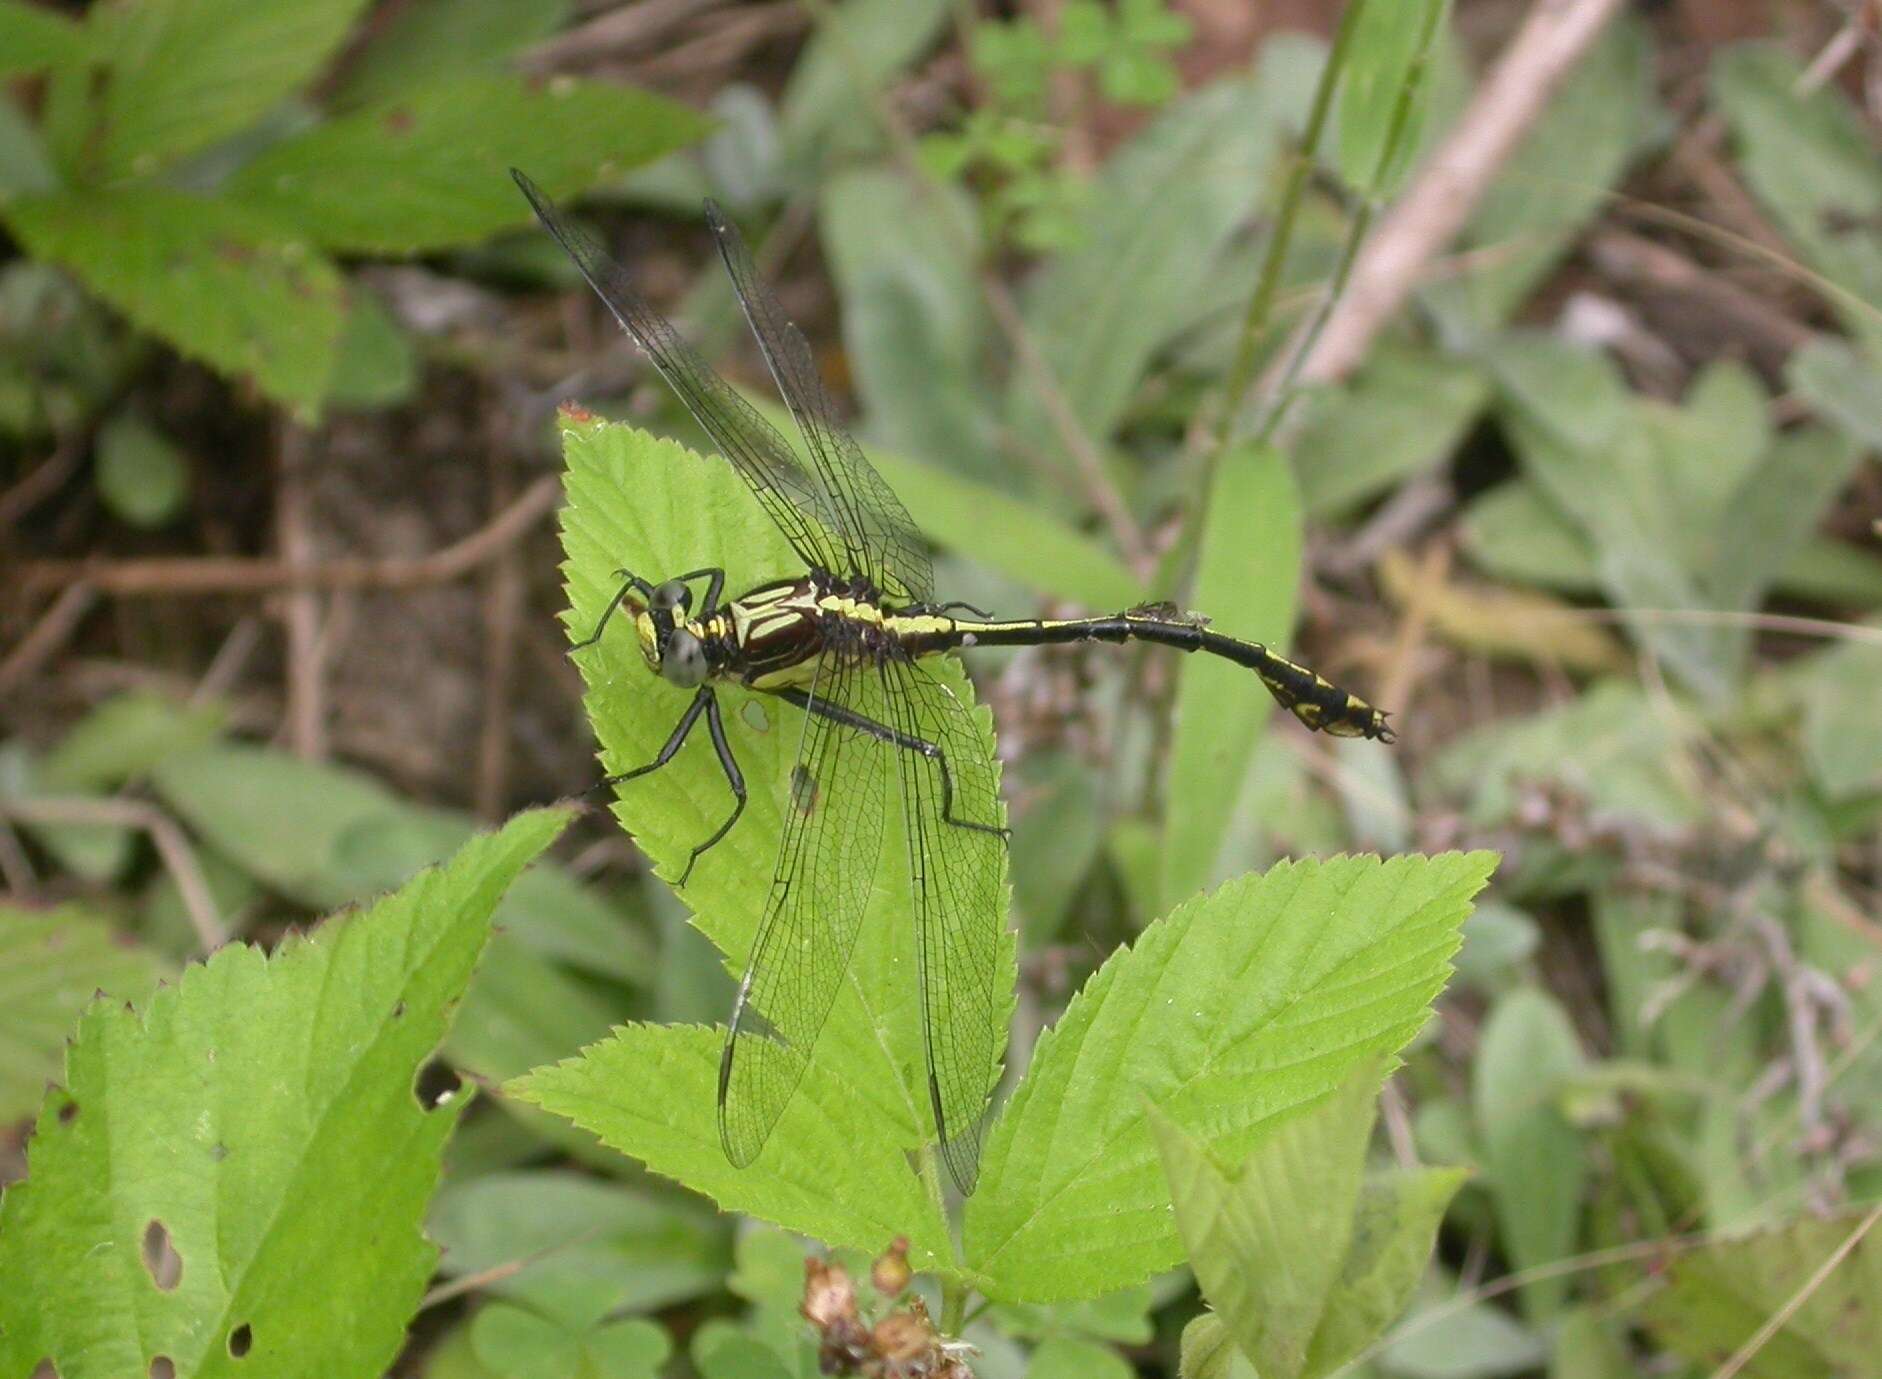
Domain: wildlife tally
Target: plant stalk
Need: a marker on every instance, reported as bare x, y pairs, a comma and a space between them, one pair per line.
1241, 374
1396, 134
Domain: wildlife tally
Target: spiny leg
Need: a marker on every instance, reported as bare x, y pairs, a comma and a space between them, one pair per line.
883, 732
675, 740
733, 776
634, 583
951, 606
704, 702
715, 585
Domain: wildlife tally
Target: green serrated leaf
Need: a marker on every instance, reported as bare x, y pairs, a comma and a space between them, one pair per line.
426, 169
831, 1168
1533, 1162
184, 73
33, 38
52, 962
1398, 1218
1267, 1237
257, 1115
218, 281
653, 507
1303, 1264
1247, 580
1240, 1006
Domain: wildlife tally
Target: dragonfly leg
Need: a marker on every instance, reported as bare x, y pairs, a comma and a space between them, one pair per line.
733, 777
715, 585
951, 606
823, 708
706, 703
675, 740
632, 584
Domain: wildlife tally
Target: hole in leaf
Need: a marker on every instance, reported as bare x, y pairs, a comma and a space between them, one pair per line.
435, 1084
67, 1114
755, 717
241, 1340
161, 1261
218, 1151
45, 1369
161, 1367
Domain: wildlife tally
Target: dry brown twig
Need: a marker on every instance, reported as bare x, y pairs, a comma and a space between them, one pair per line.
173, 848
195, 575
300, 610
613, 34
50, 633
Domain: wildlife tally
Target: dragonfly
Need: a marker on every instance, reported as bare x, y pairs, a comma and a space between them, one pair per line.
844, 640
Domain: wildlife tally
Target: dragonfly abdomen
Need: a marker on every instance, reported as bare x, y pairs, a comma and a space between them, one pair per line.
1314, 700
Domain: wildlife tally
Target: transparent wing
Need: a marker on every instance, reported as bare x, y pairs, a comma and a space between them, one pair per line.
957, 853
826, 870
790, 493
881, 539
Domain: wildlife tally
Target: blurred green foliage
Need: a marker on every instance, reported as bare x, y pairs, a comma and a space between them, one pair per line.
1663, 1044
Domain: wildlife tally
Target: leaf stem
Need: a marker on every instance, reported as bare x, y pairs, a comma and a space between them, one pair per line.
953, 1306
1397, 133
1241, 374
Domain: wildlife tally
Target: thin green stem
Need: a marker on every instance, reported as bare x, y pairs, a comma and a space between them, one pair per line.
953, 1307
1241, 376
1284, 392
1396, 134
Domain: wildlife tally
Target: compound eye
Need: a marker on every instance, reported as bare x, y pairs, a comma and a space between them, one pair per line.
673, 594
684, 662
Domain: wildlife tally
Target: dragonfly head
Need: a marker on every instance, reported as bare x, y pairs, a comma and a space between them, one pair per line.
673, 648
